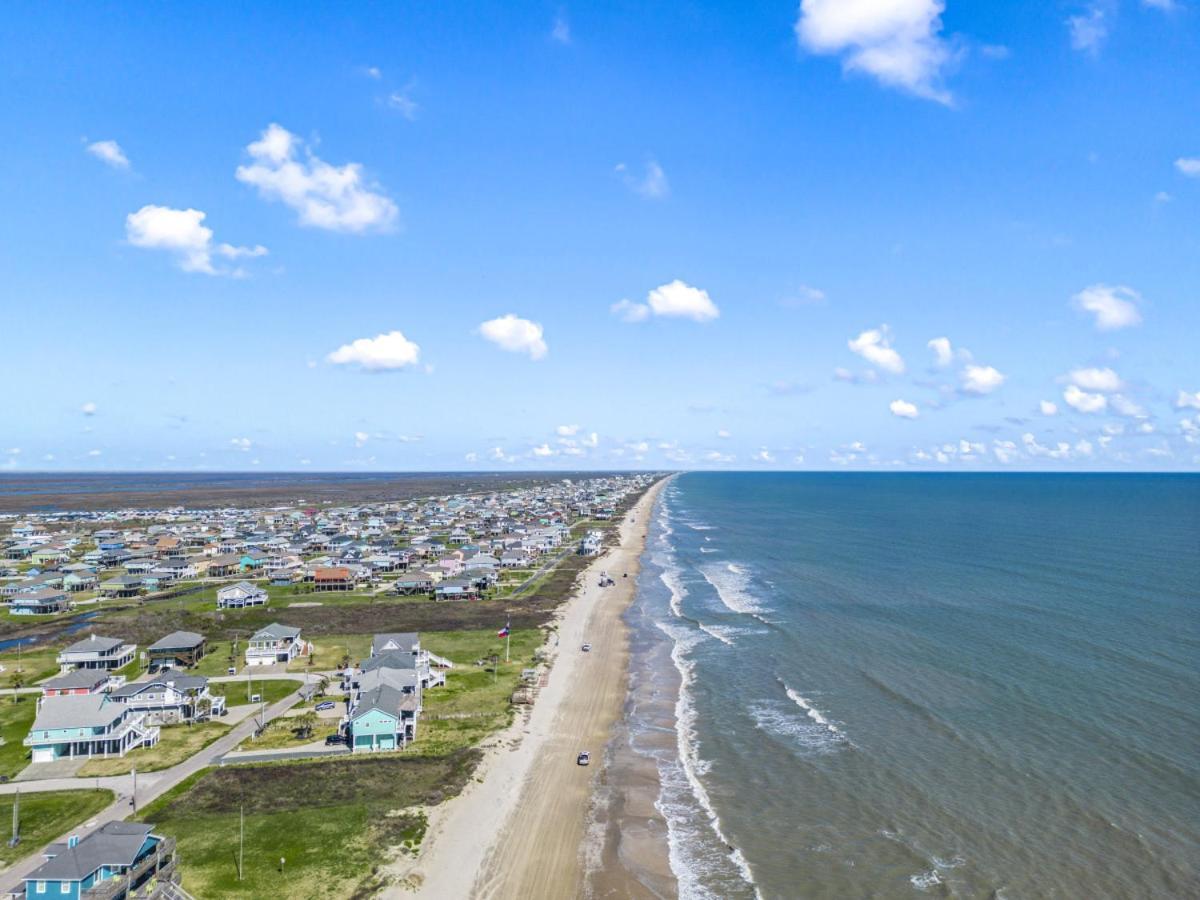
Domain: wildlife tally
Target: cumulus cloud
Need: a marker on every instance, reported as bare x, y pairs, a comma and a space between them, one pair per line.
875, 346
88, 409
1189, 166
981, 379
1185, 400
1114, 307
942, 351
109, 153
567, 430
651, 183
1089, 29
1095, 379
241, 443
337, 198
383, 352
1048, 408
543, 450
676, 299
724, 434
516, 335
763, 455
898, 42
360, 438
591, 440
182, 232
1083, 401
903, 409
403, 103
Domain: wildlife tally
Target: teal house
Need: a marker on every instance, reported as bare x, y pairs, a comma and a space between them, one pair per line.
383, 719
80, 869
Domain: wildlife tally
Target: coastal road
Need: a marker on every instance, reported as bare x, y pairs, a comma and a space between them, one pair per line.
150, 786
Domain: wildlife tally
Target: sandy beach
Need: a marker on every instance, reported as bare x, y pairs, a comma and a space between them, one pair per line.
519, 829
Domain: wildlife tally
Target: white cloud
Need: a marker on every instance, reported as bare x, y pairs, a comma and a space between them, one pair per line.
1105, 380
1184, 400
724, 435
560, 31
567, 430
183, 233
403, 103
360, 438
1005, 451
1164, 5
543, 450
676, 299
471, 457
1048, 408
241, 443
1123, 406
94, 453
592, 440
325, 196
374, 72
715, 456
763, 455
391, 350
88, 409
875, 346
942, 350
652, 183
1088, 29
516, 335
1189, 166
110, 153
903, 409
1114, 307
897, 41
981, 379
805, 295
1083, 401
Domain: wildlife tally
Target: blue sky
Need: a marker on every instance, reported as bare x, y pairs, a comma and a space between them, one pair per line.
489, 235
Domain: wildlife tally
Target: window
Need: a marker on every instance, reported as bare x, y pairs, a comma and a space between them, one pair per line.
41, 887
64, 887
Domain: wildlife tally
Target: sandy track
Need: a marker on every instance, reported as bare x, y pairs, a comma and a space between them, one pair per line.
517, 832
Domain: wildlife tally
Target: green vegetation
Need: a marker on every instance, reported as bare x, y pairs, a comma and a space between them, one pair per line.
16, 716
332, 821
46, 816
176, 743
292, 731
474, 702
31, 666
269, 689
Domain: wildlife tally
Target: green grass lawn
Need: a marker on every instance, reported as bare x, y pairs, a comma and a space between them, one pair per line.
332, 820
331, 648
270, 689
175, 744
283, 732
471, 691
35, 664
46, 816
15, 721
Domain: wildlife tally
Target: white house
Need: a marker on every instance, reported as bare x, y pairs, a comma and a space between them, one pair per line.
276, 644
241, 595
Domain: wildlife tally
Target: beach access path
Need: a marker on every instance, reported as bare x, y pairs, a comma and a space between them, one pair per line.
517, 830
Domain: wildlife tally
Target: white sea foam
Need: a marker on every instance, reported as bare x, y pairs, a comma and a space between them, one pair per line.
923, 881
732, 584
670, 576
811, 711
698, 527
721, 634
709, 550
685, 852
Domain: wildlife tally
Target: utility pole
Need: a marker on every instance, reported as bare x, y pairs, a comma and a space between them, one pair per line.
16, 836
133, 799
241, 837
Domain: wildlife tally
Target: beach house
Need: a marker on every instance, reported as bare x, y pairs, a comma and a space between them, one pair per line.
241, 595
96, 652
179, 649
121, 855
77, 681
85, 726
170, 700
275, 644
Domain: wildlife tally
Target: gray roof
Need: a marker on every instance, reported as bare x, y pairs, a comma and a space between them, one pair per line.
77, 678
94, 643
178, 640
394, 659
275, 632
386, 699
76, 711
113, 844
179, 682
405, 640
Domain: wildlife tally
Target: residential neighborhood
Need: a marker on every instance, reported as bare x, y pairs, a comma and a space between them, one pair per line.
162, 640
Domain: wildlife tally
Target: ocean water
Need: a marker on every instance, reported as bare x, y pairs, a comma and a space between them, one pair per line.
924, 686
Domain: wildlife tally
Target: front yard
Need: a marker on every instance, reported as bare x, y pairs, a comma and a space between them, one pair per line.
176, 743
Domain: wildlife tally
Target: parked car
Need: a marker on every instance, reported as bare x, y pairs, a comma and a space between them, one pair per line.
587, 648
256, 698
324, 705
583, 758
334, 739
231, 671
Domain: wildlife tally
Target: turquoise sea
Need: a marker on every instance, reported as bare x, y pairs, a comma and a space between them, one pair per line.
892, 685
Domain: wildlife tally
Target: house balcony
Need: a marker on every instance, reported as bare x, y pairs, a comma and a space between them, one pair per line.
146, 880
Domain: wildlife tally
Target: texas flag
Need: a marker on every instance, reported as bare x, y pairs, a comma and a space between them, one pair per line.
503, 632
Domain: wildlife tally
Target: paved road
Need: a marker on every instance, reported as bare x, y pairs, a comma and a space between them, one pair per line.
150, 786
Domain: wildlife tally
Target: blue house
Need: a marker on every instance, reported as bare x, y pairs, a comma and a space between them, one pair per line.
384, 718
126, 850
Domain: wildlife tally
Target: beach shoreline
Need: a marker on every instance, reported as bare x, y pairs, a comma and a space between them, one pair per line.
521, 827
